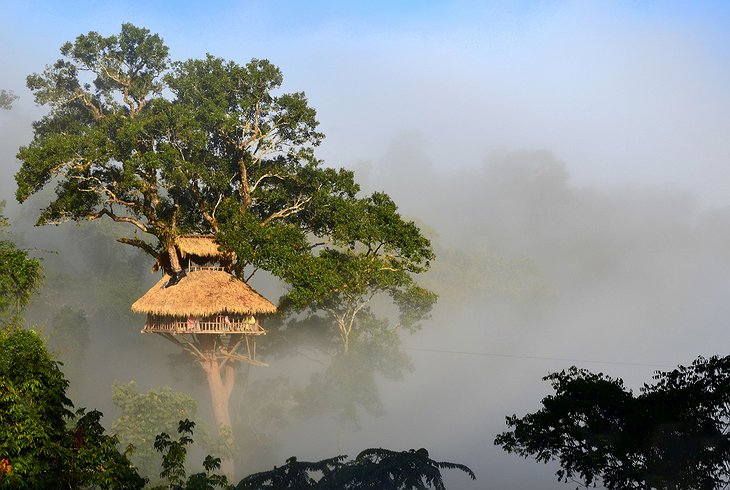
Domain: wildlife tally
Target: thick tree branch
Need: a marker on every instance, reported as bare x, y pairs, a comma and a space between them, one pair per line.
118, 219
141, 244
96, 111
101, 188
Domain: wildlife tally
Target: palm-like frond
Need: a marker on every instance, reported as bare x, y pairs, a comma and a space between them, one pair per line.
294, 474
379, 468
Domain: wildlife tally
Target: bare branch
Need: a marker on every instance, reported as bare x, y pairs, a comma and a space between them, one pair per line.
215, 208
298, 205
265, 176
251, 275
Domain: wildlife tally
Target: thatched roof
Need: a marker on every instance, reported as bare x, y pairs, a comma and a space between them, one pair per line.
197, 245
202, 293
201, 249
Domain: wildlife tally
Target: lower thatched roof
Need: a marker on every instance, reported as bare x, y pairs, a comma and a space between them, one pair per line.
202, 293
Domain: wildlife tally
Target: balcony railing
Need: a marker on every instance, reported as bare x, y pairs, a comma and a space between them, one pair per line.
220, 324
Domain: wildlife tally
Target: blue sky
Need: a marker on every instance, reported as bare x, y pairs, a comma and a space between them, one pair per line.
622, 92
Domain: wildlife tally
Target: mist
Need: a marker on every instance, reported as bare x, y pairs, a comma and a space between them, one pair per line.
569, 164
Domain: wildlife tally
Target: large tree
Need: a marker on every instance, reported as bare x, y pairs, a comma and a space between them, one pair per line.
673, 435
211, 146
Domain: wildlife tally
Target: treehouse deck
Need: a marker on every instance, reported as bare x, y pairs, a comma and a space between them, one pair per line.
219, 324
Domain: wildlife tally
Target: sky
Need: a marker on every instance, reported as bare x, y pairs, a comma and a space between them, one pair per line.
623, 92
576, 151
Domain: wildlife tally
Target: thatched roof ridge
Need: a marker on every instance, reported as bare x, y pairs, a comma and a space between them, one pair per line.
202, 293
199, 245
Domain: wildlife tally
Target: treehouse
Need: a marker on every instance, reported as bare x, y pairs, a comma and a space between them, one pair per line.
207, 307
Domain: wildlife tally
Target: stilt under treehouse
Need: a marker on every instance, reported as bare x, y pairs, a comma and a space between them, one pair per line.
212, 314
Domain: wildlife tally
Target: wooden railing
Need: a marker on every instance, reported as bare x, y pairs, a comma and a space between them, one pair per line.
223, 324
194, 268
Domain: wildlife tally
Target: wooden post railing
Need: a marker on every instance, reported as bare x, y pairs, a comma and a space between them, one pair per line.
220, 324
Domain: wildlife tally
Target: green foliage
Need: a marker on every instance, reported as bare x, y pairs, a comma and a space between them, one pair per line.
145, 414
20, 276
374, 468
44, 444
96, 459
167, 143
672, 435
174, 453
374, 252
34, 407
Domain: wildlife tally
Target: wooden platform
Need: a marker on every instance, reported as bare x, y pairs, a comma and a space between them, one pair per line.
221, 324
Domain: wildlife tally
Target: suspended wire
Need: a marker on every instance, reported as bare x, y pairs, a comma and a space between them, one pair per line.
540, 358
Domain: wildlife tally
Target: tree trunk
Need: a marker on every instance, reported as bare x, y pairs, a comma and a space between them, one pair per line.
220, 392
220, 384
174, 261
245, 190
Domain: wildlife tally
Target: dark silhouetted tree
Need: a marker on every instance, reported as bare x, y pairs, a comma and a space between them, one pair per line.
397, 470
673, 435
294, 474
374, 468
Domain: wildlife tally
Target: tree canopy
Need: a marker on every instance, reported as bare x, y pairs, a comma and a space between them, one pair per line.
211, 146
672, 435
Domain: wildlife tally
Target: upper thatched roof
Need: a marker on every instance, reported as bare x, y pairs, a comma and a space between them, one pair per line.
201, 249
198, 245
203, 293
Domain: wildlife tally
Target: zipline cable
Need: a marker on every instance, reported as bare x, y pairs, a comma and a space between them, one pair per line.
539, 358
